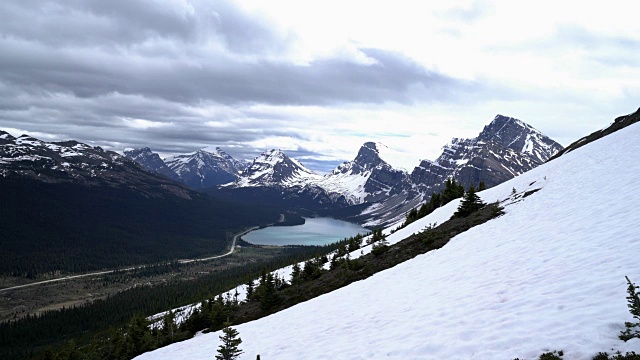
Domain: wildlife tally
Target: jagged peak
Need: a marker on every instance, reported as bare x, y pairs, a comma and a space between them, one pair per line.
274, 157
27, 137
369, 154
5, 135
271, 154
139, 151
501, 122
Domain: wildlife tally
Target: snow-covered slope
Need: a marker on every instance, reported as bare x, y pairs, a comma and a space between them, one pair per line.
547, 275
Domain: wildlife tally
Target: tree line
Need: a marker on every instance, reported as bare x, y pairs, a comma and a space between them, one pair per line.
28, 337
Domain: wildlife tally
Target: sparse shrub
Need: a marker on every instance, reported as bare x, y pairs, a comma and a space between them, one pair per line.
556, 355
618, 356
632, 329
496, 210
379, 248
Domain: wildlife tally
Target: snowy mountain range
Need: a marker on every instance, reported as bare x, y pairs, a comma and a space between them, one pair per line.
547, 275
367, 190
200, 169
75, 162
505, 148
203, 169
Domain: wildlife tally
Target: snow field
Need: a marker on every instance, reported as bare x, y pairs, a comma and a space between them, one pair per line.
547, 275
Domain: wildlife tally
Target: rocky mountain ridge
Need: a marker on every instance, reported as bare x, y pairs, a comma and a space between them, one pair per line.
75, 162
382, 194
505, 148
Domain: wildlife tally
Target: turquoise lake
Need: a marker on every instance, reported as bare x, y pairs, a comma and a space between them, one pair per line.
315, 231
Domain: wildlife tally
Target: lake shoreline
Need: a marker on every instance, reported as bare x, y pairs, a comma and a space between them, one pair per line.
317, 231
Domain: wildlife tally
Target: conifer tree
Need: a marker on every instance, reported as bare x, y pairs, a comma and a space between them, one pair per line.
295, 273
138, 337
470, 203
249, 289
229, 349
424, 211
633, 299
168, 324
267, 292
482, 186
411, 216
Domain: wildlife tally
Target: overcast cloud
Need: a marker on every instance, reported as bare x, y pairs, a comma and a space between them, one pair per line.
316, 81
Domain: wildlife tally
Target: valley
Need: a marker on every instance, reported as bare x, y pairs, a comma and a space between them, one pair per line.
19, 298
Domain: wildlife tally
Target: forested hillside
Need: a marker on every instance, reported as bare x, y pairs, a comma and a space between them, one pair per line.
47, 227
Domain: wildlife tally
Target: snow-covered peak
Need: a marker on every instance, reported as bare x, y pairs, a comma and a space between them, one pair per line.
202, 168
274, 168
271, 157
67, 161
28, 140
6, 136
519, 136
137, 153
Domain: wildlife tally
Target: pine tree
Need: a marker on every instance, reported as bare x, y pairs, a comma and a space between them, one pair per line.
138, 338
229, 350
470, 202
482, 186
168, 325
633, 299
411, 216
249, 289
295, 273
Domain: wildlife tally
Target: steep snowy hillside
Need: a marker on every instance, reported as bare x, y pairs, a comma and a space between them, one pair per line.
547, 275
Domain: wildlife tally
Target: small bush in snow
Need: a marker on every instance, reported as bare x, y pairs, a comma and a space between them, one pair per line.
633, 328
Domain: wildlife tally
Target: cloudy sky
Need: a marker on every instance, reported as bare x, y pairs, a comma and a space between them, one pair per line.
316, 79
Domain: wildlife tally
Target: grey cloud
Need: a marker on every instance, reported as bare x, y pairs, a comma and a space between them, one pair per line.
78, 69
118, 24
222, 79
168, 50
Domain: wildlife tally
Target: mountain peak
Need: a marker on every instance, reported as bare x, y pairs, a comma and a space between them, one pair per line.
131, 152
151, 162
502, 126
275, 157
274, 168
517, 135
369, 155
6, 136
206, 167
